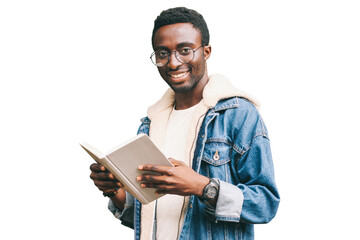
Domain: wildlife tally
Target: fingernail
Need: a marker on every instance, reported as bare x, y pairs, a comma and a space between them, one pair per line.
138, 178
140, 167
111, 176
102, 168
142, 185
157, 193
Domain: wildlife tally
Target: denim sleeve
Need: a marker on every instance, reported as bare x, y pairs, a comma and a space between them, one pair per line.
255, 198
256, 172
126, 216
229, 203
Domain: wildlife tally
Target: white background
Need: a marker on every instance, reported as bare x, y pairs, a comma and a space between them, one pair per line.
74, 71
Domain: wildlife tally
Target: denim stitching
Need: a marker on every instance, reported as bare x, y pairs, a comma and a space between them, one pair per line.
227, 170
226, 107
219, 140
232, 105
226, 232
239, 150
212, 162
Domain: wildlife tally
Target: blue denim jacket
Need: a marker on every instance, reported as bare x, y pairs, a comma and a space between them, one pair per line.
235, 131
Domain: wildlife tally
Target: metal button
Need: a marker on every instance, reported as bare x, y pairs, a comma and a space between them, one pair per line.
216, 156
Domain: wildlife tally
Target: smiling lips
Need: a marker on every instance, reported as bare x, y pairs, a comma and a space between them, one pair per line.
178, 75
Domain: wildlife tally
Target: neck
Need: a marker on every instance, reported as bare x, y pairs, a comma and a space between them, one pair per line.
188, 99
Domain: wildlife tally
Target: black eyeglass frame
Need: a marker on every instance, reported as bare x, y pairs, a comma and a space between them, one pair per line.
176, 56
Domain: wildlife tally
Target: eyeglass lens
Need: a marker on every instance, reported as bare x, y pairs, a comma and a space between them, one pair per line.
161, 57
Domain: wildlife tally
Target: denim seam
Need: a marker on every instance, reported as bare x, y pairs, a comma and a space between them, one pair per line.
241, 151
226, 232
227, 170
257, 134
219, 140
226, 107
264, 132
221, 162
209, 235
220, 217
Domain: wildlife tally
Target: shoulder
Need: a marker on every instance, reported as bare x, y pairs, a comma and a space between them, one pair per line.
241, 116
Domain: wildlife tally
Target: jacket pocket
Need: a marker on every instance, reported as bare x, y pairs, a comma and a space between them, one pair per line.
217, 152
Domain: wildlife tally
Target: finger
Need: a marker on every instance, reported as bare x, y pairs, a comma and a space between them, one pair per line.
165, 189
114, 185
103, 176
158, 186
96, 167
108, 191
105, 185
152, 178
176, 162
155, 168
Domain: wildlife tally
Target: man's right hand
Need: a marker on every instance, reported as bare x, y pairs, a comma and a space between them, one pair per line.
107, 183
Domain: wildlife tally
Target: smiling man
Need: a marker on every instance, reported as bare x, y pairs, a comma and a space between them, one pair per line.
185, 71
222, 182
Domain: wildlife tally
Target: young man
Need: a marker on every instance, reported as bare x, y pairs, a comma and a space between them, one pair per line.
222, 181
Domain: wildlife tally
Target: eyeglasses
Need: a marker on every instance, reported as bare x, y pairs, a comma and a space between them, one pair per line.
161, 57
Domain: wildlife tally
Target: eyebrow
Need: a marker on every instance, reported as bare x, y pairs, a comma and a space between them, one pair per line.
182, 44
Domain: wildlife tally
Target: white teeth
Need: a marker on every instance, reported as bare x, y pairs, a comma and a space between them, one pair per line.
178, 75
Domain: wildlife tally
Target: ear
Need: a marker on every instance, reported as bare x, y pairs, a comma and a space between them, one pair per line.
207, 52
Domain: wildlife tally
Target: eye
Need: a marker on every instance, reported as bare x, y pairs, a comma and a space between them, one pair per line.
161, 54
185, 51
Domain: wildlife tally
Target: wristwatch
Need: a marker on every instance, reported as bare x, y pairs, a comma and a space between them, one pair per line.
211, 191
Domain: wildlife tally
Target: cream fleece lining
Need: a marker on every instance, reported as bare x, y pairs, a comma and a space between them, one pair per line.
218, 88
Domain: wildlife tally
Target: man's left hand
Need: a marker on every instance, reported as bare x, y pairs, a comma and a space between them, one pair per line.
179, 180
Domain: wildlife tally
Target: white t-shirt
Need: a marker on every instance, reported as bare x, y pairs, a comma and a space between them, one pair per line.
169, 207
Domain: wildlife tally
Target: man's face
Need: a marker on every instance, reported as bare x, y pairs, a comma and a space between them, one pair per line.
182, 77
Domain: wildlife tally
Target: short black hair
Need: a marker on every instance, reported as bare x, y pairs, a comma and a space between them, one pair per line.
182, 15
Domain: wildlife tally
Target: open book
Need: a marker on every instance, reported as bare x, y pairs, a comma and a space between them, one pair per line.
123, 162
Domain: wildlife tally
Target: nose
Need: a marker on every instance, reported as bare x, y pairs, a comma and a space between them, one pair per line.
173, 63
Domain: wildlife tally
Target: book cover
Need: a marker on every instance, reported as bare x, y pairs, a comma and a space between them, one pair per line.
123, 162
